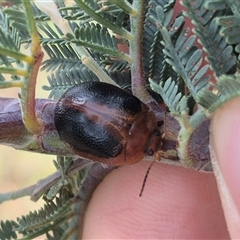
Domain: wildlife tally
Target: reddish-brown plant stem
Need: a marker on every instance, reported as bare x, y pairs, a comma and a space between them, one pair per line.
30, 119
138, 81
28, 104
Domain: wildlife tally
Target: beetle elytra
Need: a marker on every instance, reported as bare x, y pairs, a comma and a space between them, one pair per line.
107, 124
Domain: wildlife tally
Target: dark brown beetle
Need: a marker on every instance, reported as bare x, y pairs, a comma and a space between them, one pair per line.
104, 123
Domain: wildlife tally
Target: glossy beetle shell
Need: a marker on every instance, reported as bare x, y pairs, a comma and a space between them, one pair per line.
104, 123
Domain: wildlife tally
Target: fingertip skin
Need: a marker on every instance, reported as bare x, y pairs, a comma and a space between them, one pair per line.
225, 132
225, 144
177, 203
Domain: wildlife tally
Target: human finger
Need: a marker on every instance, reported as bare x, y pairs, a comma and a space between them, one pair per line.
225, 154
176, 203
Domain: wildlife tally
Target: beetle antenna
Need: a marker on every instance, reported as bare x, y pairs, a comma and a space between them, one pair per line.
157, 155
146, 176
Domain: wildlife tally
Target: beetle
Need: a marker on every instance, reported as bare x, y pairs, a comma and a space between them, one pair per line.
104, 123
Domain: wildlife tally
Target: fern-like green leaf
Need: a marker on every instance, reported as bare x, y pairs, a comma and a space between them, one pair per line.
17, 19
73, 13
39, 16
184, 57
37, 223
220, 55
98, 38
90, 8
7, 230
125, 6
49, 32
62, 80
227, 88
10, 41
122, 78
153, 57
61, 54
229, 23
171, 96
9, 36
